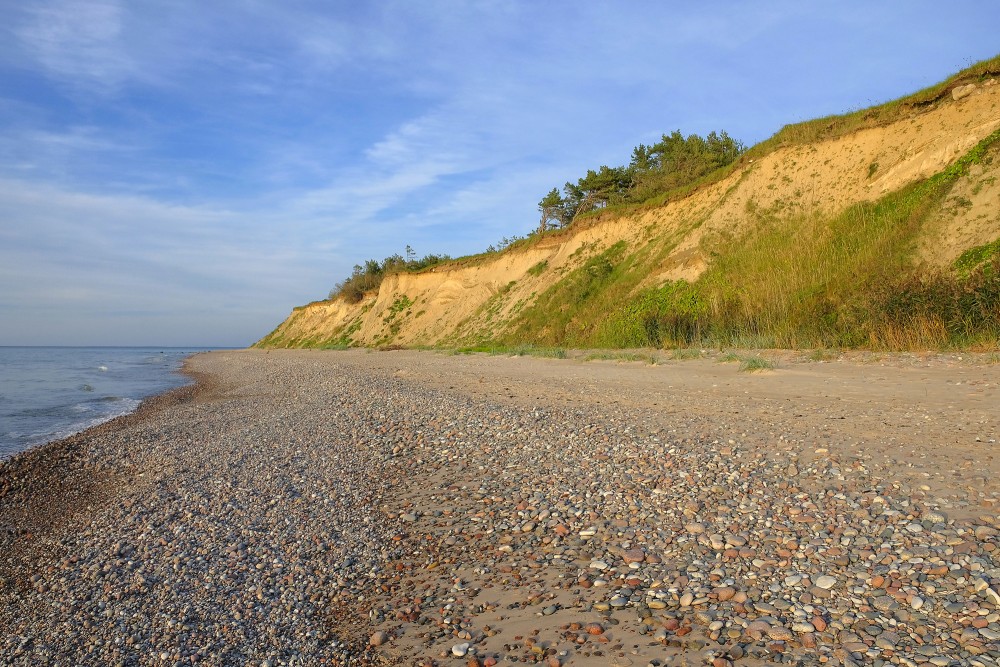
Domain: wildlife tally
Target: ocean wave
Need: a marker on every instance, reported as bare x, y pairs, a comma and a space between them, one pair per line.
124, 406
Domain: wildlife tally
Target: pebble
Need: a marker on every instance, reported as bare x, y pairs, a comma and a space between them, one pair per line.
308, 499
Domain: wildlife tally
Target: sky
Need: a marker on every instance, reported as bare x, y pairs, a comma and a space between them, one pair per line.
178, 172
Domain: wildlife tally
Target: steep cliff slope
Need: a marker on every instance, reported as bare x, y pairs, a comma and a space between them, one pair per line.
789, 249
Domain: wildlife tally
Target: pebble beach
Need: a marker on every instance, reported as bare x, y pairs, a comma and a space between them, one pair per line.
415, 508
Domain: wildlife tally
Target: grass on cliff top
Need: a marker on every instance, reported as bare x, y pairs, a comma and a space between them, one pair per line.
831, 127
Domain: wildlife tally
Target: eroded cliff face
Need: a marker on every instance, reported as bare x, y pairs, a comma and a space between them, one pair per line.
478, 298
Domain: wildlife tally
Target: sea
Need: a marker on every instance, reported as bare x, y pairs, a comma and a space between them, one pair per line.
48, 393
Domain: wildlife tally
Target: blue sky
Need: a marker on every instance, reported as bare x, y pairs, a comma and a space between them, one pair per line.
184, 173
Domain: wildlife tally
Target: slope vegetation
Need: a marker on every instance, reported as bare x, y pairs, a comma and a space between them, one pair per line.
877, 229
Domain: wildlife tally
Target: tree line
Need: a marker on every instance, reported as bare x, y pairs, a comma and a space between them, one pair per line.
673, 162
368, 276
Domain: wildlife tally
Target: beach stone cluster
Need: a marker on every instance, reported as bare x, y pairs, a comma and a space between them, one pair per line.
305, 509
633, 543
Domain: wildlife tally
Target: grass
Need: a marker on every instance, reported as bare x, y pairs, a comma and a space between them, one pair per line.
539, 268
831, 127
752, 364
511, 351
621, 356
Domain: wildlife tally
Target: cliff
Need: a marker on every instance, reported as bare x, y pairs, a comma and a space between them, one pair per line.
905, 198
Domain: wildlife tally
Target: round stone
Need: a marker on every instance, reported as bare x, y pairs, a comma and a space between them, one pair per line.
826, 582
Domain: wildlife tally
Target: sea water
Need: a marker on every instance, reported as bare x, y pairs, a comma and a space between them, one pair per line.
47, 393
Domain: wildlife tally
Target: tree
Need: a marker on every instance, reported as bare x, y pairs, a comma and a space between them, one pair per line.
553, 209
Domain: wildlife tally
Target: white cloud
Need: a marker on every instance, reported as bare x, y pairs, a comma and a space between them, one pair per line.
79, 42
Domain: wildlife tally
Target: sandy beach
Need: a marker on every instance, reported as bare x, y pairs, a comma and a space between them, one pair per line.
416, 508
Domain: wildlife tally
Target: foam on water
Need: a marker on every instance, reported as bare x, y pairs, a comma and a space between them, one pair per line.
51, 393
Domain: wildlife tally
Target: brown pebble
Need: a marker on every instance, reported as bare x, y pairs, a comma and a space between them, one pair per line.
634, 556
725, 593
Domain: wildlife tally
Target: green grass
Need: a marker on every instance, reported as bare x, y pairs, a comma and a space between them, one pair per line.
621, 356
975, 258
533, 351
539, 268
752, 364
526, 350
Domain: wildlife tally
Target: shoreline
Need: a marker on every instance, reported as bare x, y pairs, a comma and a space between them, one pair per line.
83, 427
42, 487
355, 498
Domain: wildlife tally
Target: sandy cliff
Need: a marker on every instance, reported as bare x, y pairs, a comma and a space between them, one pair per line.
476, 299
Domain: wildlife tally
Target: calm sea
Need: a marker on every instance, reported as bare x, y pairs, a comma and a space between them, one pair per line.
47, 393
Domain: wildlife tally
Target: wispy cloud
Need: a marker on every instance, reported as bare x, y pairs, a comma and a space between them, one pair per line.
79, 42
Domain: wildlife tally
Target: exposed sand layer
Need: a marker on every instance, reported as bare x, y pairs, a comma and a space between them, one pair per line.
302, 505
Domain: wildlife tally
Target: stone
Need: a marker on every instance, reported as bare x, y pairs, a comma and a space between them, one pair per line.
379, 638
935, 516
826, 582
459, 650
725, 593
959, 92
695, 528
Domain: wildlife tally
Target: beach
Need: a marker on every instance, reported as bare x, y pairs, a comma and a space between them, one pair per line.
413, 508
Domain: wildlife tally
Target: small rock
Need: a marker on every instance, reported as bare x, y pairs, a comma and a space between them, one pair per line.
962, 91
634, 556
